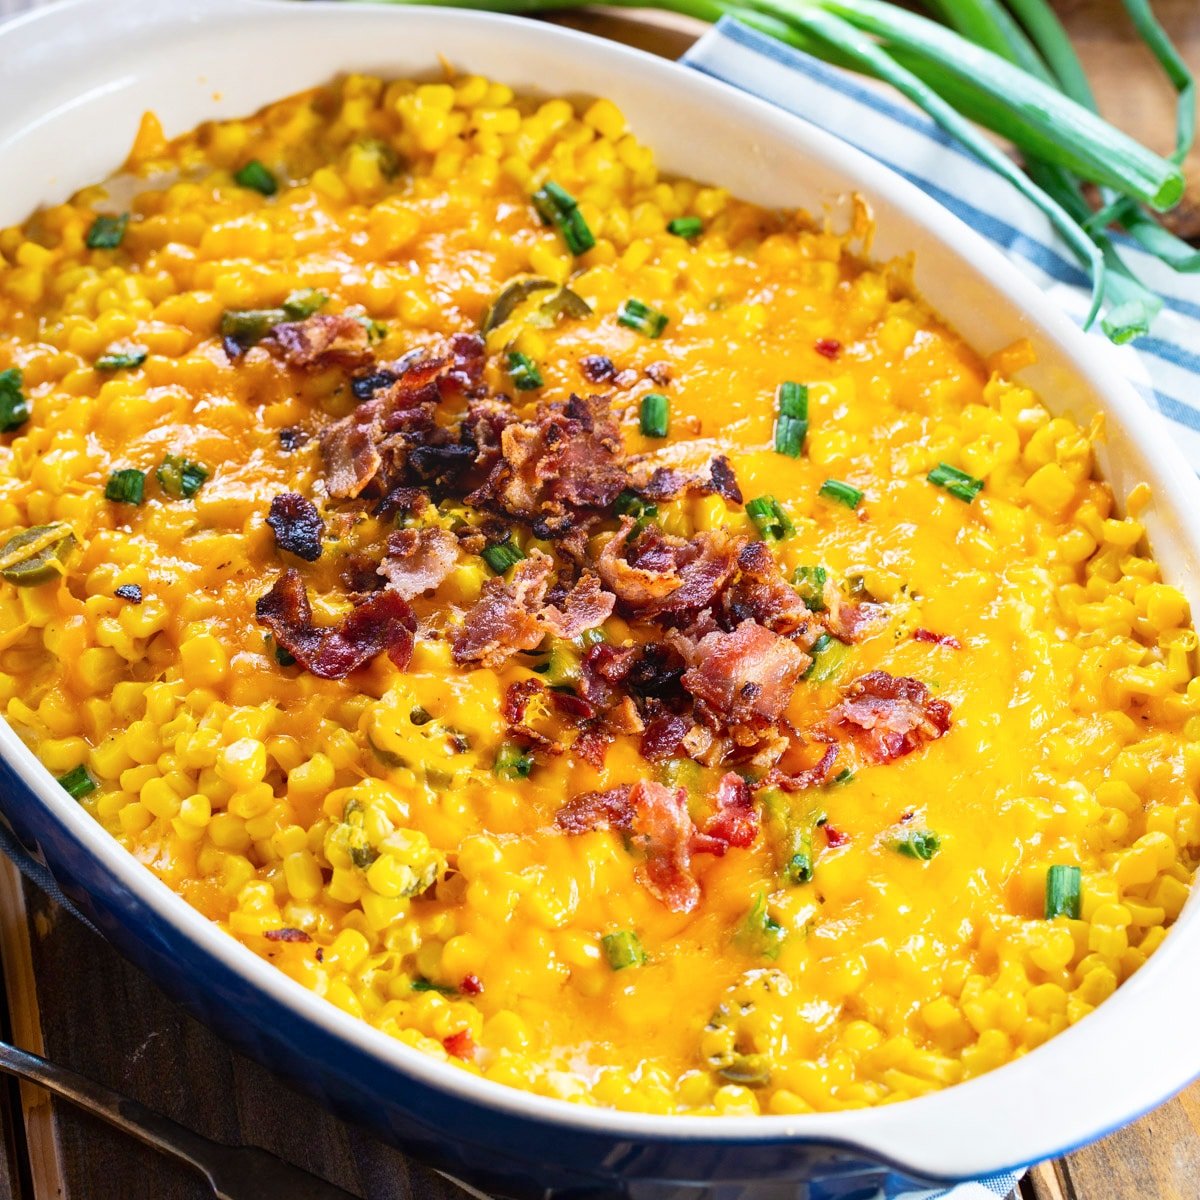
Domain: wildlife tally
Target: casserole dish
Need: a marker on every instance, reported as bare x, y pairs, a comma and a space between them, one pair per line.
498, 1138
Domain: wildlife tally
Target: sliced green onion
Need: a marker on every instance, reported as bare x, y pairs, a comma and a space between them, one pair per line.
828, 659
284, 657
421, 984
513, 762
623, 949
760, 934
576, 234
502, 555
107, 232
257, 178
523, 371
686, 227
1064, 887
14, 405
957, 483
78, 782
917, 843
798, 852
840, 493
303, 302
633, 314
180, 477
126, 487
791, 425
772, 523
125, 360
844, 776
810, 583
556, 206
655, 415
630, 504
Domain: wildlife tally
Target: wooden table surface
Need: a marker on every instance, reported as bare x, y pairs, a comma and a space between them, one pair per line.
69, 996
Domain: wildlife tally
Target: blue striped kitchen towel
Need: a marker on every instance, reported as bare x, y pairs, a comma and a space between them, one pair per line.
1164, 366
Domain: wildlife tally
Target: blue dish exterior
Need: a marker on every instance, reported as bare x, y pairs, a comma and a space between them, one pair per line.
505, 1154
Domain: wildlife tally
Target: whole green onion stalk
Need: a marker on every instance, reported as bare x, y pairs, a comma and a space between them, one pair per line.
1008, 66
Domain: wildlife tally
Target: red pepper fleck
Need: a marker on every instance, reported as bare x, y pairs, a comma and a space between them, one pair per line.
905, 817
835, 837
828, 347
460, 1044
941, 639
471, 985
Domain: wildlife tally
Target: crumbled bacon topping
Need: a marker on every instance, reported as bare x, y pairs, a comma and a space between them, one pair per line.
939, 639
320, 340
297, 525
418, 560
663, 831
891, 716
578, 609
597, 368
760, 593
589, 811
382, 622
735, 822
286, 935
814, 776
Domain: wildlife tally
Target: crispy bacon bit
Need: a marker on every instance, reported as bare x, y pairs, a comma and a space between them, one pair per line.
418, 560
592, 746
659, 574
760, 593
663, 830
835, 837
659, 372
724, 482
471, 985
734, 824
460, 1044
292, 439
891, 716
663, 737
517, 697
349, 450
848, 620
320, 340
597, 368
402, 499
382, 622
940, 639
564, 460
365, 386
584, 607
286, 935
297, 526
828, 347
604, 670
814, 776
745, 677
590, 811
504, 619
468, 356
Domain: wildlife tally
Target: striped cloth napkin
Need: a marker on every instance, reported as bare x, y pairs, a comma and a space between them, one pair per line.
1164, 366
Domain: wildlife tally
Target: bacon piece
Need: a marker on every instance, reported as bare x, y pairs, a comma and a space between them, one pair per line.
940, 639
418, 560
735, 823
665, 483
655, 574
582, 608
468, 356
517, 697
663, 830
761, 594
592, 746
746, 677
597, 368
723, 481
828, 347
564, 460
604, 670
659, 372
891, 716
590, 811
382, 622
297, 525
350, 452
663, 737
504, 619
320, 340
849, 620
401, 499
814, 776
286, 935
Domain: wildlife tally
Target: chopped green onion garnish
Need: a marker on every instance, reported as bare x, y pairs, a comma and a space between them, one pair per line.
810, 583
179, 477
556, 206
257, 178
634, 314
512, 762
686, 227
14, 406
523, 371
828, 658
285, 658
630, 504
78, 782
799, 867
791, 425
760, 934
918, 843
125, 360
843, 776
126, 487
107, 233
502, 556
772, 523
1064, 887
655, 414
421, 984
303, 302
957, 483
624, 949
840, 493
